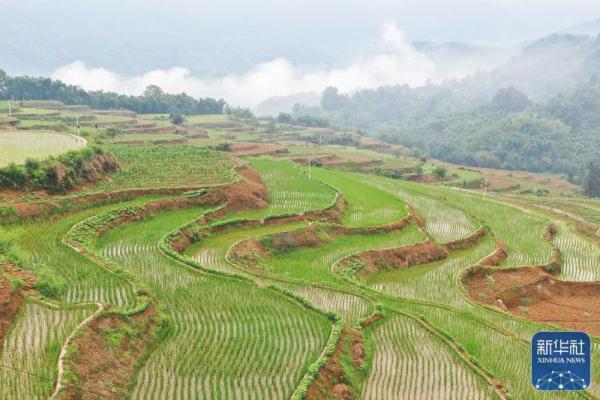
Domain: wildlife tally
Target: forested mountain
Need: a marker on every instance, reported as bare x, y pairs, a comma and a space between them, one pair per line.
539, 112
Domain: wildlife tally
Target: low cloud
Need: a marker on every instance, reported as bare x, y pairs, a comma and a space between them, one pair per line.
395, 61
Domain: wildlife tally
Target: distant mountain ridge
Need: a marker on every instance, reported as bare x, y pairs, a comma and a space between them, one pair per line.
536, 112
590, 28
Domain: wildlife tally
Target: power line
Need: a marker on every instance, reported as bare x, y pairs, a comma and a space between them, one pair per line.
48, 379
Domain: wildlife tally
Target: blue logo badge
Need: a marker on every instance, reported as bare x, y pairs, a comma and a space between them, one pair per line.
560, 361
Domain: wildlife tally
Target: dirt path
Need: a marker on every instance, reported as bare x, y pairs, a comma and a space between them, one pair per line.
63, 351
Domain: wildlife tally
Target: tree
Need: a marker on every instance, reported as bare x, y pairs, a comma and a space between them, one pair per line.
153, 91
3, 84
511, 100
441, 172
14, 176
31, 165
284, 118
176, 119
154, 99
307, 120
223, 147
240, 113
591, 181
271, 127
112, 132
332, 100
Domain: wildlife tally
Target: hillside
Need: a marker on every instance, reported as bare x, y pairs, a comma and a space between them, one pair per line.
535, 113
237, 258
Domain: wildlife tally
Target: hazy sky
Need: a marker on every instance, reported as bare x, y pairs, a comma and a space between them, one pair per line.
482, 21
247, 50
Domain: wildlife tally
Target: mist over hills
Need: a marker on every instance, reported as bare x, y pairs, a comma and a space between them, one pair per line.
529, 105
539, 69
590, 28
537, 112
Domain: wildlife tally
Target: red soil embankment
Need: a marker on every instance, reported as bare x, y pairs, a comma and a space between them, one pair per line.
332, 382
197, 231
249, 252
467, 241
108, 352
56, 206
249, 193
257, 148
333, 213
536, 294
497, 256
402, 257
10, 303
11, 298
336, 160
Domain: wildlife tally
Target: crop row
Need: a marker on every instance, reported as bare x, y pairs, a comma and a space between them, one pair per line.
367, 205
69, 276
219, 326
443, 222
410, 363
506, 357
519, 230
289, 190
435, 281
174, 166
580, 257
314, 264
18, 146
31, 347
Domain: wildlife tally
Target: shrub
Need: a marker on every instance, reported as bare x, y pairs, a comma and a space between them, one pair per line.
176, 119
57, 174
50, 284
441, 172
223, 147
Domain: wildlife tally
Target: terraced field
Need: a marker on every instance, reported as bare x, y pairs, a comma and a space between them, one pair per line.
275, 326
31, 348
407, 364
16, 147
168, 166
443, 221
422, 281
290, 191
519, 230
315, 265
581, 256
45, 254
367, 206
221, 324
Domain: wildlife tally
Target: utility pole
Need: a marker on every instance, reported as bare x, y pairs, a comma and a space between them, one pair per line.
485, 185
9, 109
309, 163
78, 127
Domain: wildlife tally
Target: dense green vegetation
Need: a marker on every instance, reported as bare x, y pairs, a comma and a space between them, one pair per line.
210, 343
591, 180
58, 174
367, 205
558, 134
235, 330
168, 166
403, 372
154, 100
